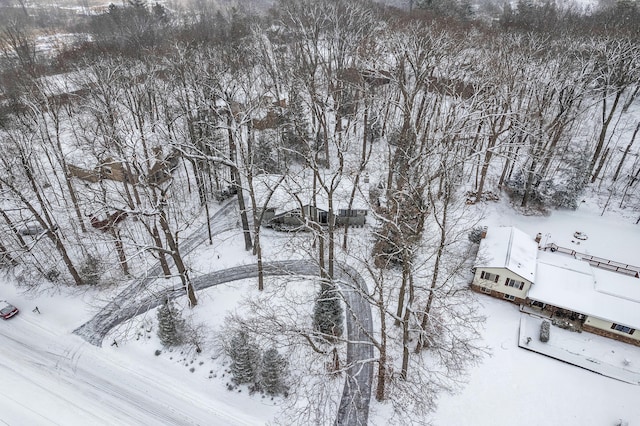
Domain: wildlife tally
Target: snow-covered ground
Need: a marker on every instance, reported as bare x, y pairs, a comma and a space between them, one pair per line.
515, 386
585, 350
50, 376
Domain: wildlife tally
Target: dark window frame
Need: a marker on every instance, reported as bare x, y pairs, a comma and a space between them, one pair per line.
510, 282
489, 276
622, 328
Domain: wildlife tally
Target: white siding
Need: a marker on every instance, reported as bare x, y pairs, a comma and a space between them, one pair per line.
501, 286
606, 326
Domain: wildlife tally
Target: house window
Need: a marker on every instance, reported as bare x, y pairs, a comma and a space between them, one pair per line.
349, 213
485, 290
509, 297
537, 304
515, 284
489, 276
622, 328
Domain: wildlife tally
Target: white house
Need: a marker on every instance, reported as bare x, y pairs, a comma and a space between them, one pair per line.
506, 264
509, 265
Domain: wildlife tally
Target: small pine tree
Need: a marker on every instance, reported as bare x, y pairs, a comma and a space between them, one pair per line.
272, 372
264, 156
245, 358
90, 270
171, 326
327, 313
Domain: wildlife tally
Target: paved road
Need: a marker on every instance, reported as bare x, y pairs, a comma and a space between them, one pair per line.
52, 379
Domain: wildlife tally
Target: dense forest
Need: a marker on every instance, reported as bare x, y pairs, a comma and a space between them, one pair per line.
123, 126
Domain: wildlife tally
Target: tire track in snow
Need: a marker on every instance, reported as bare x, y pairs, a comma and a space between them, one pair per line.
93, 388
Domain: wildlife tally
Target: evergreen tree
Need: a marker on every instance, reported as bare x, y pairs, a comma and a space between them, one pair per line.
264, 156
295, 133
245, 358
327, 313
272, 372
171, 326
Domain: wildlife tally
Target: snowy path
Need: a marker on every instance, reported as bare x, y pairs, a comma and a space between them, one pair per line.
134, 299
69, 382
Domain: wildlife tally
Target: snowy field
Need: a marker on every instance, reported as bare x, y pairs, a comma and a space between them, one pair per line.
50, 376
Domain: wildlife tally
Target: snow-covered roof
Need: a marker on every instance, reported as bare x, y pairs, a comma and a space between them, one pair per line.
574, 285
510, 248
289, 192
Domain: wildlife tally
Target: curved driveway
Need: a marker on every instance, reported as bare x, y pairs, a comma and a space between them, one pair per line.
354, 404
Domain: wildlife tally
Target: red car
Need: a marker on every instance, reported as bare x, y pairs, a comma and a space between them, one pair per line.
7, 310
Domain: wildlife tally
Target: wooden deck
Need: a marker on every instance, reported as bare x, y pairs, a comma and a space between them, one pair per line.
598, 262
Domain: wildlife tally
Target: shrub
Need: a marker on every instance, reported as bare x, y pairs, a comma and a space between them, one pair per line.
171, 326
545, 329
475, 235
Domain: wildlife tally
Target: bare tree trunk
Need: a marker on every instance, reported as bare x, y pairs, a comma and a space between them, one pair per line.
382, 361
406, 332
531, 174
120, 250
237, 184
603, 159
626, 152
161, 256
606, 120
488, 154
177, 258
44, 219
403, 289
442, 224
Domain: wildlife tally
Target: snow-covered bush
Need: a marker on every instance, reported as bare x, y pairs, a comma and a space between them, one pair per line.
245, 358
171, 326
327, 313
545, 329
560, 189
90, 270
475, 235
273, 372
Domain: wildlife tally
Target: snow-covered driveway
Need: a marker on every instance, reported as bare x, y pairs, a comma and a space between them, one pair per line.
354, 404
70, 382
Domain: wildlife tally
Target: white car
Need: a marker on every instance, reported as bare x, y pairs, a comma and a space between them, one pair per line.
7, 310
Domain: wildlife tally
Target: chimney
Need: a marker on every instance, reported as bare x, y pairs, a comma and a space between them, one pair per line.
483, 234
